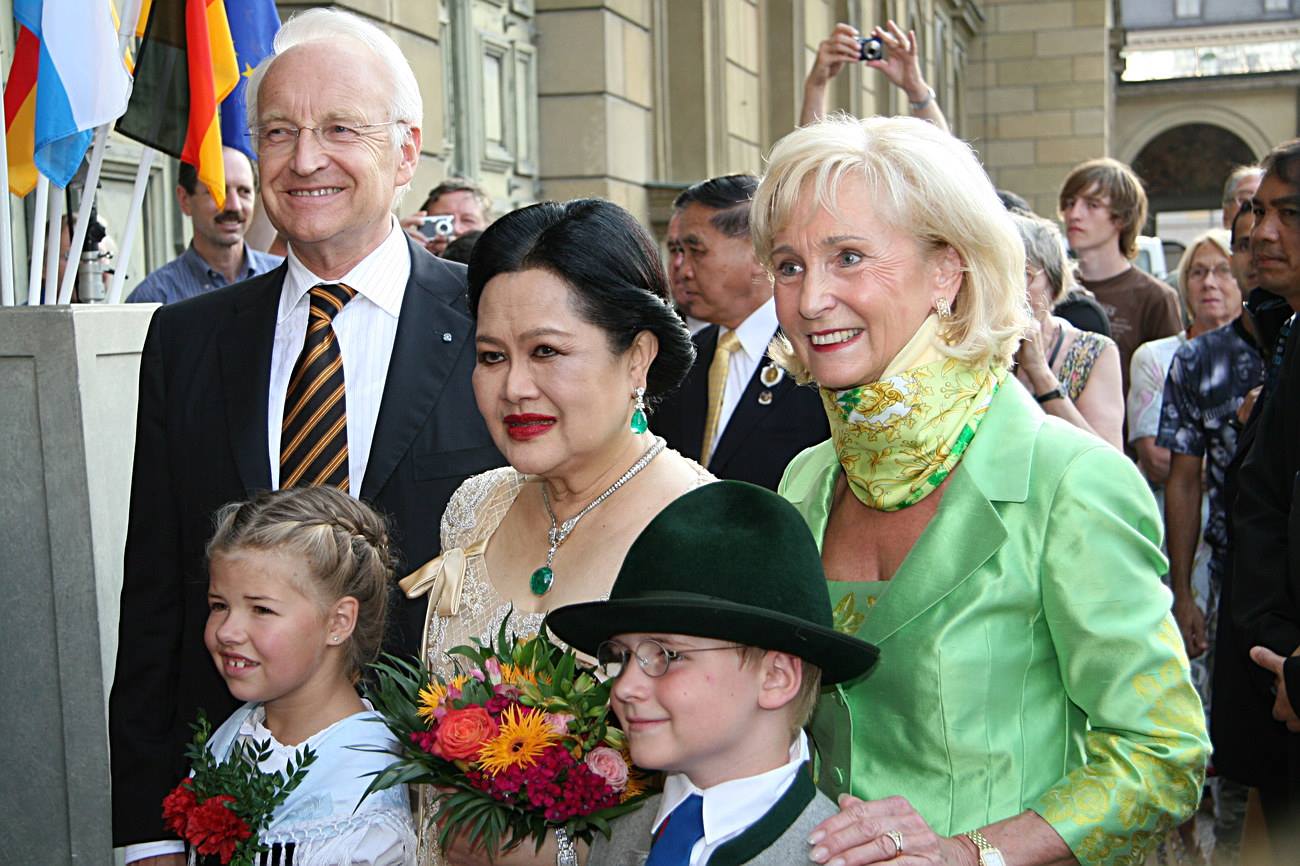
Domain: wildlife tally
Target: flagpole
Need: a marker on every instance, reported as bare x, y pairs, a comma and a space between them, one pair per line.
88, 193
38, 239
125, 33
52, 252
133, 219
6, 230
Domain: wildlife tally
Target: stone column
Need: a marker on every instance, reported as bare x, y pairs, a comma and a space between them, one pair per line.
1040, 93
595, 84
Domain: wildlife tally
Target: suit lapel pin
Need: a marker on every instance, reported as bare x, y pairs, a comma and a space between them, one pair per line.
769, 376
764, 397
446, 337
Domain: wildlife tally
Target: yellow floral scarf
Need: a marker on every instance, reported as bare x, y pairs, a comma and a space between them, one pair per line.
900, 437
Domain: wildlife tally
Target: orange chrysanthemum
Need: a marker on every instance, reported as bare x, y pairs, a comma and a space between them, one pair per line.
636, 786
523, 736
514, 675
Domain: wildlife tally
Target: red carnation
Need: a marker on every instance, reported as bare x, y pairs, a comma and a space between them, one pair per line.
177, 807
214, 828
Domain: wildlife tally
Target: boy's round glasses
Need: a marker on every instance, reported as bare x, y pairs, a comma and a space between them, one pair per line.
653, 657
329, 135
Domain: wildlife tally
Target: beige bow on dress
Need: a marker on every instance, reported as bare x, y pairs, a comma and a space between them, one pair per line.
442, 578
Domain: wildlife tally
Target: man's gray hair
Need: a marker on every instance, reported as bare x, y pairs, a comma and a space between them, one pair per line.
1234, 180
329, 26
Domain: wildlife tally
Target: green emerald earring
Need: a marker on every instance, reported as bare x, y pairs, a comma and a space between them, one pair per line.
639, 423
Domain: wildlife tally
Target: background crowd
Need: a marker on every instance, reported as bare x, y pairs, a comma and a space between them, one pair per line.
1002, 434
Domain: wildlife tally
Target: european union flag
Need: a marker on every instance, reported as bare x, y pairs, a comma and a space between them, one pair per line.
253, 25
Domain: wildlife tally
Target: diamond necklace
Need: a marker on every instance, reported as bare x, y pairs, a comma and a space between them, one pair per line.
541, 580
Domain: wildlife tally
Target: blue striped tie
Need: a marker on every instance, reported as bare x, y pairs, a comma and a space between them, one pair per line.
681, 830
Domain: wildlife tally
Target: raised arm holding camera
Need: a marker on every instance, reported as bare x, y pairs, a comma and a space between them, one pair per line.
886, 48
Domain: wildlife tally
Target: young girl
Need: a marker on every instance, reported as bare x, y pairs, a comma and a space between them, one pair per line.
298, 588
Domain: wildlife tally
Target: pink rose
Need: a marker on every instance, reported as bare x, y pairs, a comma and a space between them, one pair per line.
609, 765
559, 722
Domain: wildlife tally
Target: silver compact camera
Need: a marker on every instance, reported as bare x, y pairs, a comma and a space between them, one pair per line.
441, 225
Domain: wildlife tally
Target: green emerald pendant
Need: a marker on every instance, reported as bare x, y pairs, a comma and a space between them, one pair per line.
541, 580
639, 423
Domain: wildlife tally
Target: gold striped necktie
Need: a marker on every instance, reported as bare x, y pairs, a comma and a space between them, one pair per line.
728, 343
314, 438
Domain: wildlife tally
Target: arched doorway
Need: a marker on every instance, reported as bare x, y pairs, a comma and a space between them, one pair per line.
1184, 167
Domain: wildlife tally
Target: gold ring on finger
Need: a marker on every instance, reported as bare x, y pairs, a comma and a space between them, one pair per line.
897, 838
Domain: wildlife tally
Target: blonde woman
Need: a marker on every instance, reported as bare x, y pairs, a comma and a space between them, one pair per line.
1032, 695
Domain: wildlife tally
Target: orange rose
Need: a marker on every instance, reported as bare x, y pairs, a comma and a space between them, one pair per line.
462, 732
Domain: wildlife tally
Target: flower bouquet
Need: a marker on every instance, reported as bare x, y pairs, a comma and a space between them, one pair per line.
517, 743
222, 808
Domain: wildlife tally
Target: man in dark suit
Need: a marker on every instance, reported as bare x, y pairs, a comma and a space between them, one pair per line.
1266, 517
349, 365
737, 413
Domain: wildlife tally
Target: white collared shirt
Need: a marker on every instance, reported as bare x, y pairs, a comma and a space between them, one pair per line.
366, 330
754, 333
731, 808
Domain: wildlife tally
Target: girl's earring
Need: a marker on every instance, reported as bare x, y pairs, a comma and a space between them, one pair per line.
941, 308
639, 423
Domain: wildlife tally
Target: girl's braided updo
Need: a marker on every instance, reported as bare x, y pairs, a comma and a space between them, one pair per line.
343, 542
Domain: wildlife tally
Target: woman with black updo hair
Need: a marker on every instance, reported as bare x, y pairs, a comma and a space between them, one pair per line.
577, 339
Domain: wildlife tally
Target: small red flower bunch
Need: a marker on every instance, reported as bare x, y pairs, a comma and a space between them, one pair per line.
223, 806
517, 745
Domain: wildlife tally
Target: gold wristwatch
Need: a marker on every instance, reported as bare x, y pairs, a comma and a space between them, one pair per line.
989, 856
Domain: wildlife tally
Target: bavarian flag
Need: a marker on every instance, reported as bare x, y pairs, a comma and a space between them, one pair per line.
184, 68
67, 78
253, 25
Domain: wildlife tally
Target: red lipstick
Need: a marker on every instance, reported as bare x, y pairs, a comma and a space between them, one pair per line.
528, 426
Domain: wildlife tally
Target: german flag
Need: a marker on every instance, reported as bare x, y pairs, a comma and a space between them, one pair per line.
184, 68
20, 113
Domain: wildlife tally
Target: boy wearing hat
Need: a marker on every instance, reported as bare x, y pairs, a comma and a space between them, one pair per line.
718, 631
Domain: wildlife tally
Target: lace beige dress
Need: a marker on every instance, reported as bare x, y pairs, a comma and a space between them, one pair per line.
463, 603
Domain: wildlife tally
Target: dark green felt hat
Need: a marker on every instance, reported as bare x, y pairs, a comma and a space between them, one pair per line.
728, 561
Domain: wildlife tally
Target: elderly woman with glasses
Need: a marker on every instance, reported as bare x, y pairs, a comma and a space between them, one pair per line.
1073, 374
1032, 704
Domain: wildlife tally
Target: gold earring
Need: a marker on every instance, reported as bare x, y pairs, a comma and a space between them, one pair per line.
942, 309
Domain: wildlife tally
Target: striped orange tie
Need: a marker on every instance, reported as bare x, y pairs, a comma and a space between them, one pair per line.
728, 343
314, 438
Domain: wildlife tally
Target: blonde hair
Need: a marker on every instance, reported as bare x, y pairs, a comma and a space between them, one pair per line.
803, 704
343, 542
921, 181
1218, 238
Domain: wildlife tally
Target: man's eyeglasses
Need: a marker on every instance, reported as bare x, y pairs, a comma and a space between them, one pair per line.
330, 136
653, 657
1199, 273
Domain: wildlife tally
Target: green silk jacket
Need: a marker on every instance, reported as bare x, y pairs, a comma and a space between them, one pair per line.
1028, 658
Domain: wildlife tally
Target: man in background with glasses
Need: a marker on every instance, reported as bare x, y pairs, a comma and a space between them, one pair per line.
348, 366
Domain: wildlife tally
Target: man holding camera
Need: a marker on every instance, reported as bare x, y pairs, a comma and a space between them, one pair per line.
217, 255
454, 207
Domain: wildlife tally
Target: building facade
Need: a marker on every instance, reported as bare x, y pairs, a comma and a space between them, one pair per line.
632, 100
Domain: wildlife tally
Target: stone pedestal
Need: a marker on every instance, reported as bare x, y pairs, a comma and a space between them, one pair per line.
68, 386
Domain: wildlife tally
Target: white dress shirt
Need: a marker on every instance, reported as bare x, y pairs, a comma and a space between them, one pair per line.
754, 333
731, 808
366, 330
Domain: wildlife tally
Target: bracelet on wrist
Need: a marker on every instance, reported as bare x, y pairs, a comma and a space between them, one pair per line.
566, 850
1048, 396
920, 106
